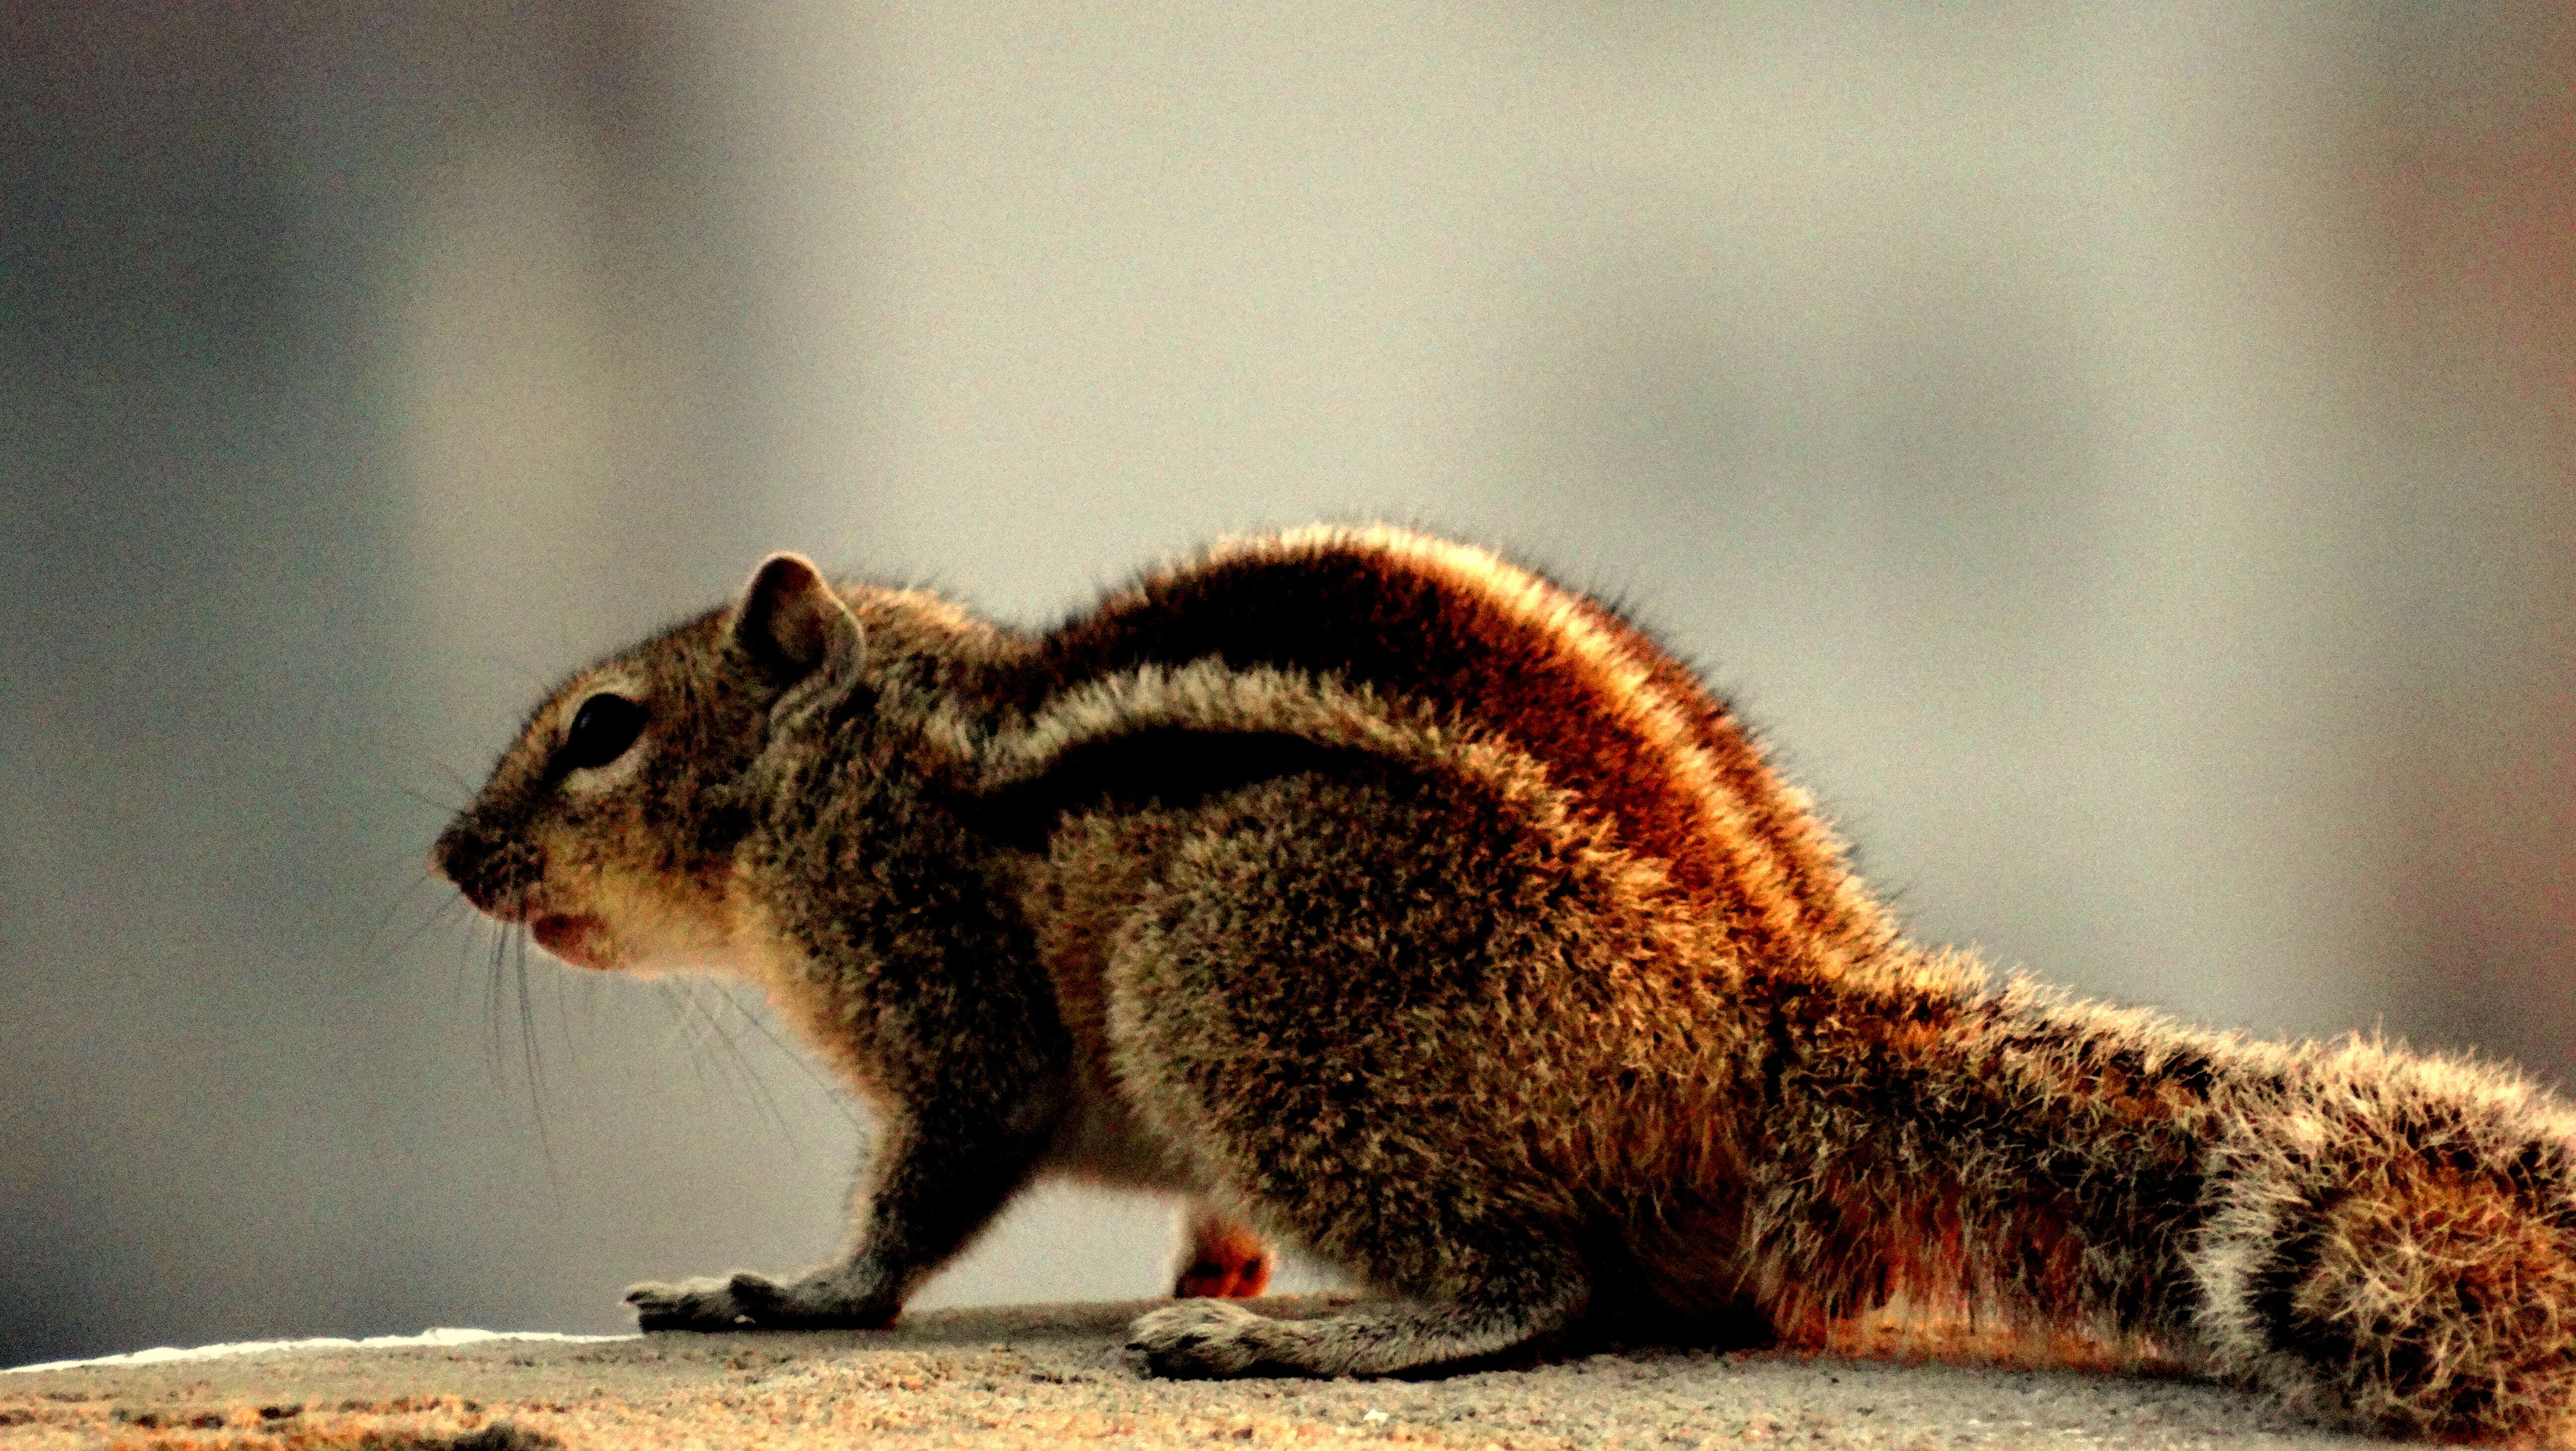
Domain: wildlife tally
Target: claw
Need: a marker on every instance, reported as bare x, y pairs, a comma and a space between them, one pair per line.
746, 1301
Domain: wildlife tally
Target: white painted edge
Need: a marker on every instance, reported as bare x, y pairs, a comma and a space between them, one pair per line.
441, 1336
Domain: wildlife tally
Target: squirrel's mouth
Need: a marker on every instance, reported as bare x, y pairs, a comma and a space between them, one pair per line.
581, 941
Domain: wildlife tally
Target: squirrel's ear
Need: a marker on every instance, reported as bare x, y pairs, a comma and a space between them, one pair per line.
790, 622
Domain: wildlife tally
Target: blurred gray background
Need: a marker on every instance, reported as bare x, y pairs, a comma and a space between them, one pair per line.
2121, 455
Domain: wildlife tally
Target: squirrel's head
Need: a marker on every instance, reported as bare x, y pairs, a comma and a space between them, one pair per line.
608, 828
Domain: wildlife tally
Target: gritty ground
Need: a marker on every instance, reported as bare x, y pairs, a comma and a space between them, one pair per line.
1059, 1375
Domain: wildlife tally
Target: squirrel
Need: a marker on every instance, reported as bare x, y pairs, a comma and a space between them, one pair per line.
1389, 900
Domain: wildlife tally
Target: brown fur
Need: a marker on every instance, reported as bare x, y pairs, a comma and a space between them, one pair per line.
1388, 900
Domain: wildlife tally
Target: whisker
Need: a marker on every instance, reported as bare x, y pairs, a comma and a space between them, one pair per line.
531, 1053
573, 1003
837, 1093
496, 1055
442, 807
699, 1033
563, 1015
691, 1033
465, 785
469, 946
740, 1076
384, 952
751, 1072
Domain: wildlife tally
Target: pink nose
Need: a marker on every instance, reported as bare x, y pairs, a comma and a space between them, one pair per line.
577, 940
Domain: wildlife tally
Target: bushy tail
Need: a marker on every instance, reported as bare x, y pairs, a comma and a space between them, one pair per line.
2390, 1242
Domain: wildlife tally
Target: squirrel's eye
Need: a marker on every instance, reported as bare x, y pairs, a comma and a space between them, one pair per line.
601, 731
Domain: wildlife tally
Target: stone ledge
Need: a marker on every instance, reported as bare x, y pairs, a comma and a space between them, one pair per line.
1055, 1375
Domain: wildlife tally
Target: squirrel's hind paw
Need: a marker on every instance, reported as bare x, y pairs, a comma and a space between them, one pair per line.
1202, 1339
745, 1301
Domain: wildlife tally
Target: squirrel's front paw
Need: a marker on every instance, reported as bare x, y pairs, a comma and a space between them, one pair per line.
700, 1304
745, 1301
1205, 1338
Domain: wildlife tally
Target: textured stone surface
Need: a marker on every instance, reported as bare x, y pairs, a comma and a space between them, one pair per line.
1057, 1375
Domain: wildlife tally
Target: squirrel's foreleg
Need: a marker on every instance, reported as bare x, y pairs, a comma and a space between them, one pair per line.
923, 988
937, 1180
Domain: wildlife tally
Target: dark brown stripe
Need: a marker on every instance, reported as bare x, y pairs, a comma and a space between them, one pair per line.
1406, 628
1816, 874
1163, 766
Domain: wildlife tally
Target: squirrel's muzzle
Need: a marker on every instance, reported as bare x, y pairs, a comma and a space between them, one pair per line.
493, 872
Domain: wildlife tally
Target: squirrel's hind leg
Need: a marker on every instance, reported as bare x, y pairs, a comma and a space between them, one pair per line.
1223, 1259
1355, 1006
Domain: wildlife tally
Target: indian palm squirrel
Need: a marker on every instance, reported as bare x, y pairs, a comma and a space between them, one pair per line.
1391, 901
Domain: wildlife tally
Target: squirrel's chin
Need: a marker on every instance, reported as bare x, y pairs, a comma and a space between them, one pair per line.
580, 941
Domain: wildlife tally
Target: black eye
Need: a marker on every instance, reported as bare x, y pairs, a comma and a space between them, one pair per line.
601, 731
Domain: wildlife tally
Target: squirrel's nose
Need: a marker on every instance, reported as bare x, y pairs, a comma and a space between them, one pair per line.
492, 871
443, 855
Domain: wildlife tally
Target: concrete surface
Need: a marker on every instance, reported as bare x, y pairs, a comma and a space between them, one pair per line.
1058, 1375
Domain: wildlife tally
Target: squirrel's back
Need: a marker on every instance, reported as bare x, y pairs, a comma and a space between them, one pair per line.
1464, 638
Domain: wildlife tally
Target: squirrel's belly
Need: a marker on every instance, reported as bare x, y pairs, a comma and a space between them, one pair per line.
1076, 900
1100, 1140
